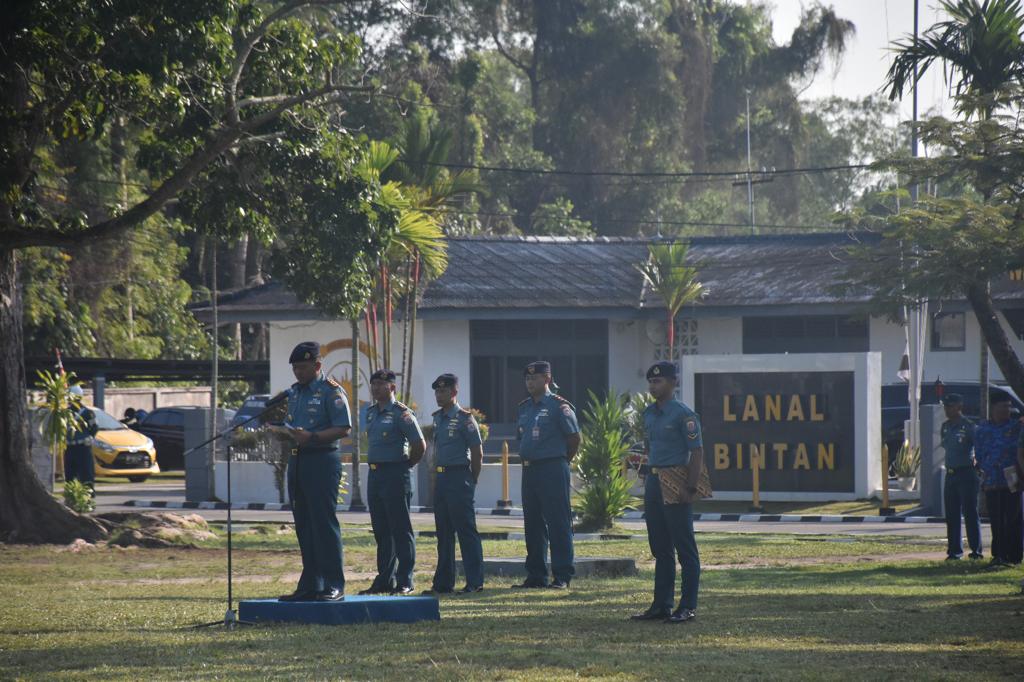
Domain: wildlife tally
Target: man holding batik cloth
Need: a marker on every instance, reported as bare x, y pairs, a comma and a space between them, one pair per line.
675, 457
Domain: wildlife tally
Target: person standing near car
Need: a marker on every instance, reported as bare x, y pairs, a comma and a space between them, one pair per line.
318, 417
458, 457
395, 446
960, 493
995, 447
674, 447
78, 462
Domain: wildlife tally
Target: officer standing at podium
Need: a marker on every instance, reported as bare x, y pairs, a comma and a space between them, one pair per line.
458, 458
395, 446
548, 440
318, 416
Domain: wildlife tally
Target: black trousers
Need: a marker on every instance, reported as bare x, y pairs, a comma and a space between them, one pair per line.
1004, 514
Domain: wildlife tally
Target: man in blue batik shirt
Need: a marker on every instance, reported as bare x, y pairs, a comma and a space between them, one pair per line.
395, 446
995, 446
960, 492
458, 458
673, 439
318, 416
549, 438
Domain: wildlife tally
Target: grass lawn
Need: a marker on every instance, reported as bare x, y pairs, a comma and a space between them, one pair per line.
772, 606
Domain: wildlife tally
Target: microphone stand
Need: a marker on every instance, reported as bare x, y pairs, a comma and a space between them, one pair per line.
231, 618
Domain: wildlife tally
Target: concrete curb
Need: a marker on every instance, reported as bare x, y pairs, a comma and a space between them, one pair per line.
515, 512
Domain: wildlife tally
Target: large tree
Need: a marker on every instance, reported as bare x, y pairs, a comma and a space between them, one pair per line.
192, 83
981, 50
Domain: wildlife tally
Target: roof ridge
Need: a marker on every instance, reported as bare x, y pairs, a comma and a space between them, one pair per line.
698, 239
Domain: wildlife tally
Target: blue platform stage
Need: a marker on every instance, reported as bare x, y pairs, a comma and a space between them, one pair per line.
354, 609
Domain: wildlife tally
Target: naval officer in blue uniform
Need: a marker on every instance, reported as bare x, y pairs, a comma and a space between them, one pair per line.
672, 440
395, 446
960, 491
549, 438
458, 458
318, 416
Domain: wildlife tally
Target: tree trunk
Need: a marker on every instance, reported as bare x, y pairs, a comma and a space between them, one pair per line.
28, 513
994, 336
412, 325
671, 337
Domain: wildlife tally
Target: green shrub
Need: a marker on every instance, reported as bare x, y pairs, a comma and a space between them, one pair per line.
603, 448
907, 462
78, 496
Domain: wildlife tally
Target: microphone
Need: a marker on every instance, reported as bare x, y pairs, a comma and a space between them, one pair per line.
278, 399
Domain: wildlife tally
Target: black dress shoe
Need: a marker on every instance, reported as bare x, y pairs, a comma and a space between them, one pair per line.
681, 616
333, 594
529, 585
651, 614
975, 556
298, 595
559, 585
471, 590
402, 591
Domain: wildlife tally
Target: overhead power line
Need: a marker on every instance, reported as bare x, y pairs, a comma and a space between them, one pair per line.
646, 174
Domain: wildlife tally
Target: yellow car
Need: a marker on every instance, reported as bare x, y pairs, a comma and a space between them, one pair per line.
120, 451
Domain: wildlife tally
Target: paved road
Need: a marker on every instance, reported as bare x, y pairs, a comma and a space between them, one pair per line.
113, 497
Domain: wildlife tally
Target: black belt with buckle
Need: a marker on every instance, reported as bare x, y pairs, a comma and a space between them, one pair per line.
382, 465
452, 467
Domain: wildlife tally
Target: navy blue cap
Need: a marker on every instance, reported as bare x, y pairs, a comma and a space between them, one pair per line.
445, 381
662, 369
997, 398
384, 375
952, 399
539, 367
307, 350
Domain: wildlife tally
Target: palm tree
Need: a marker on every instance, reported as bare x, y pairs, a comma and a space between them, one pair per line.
982, 55
980, 48
418, 246
668, 275
422, 167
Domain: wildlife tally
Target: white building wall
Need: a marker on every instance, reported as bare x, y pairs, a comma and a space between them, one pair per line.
441, 346
628, 350
631, 348
720, 336
964, 365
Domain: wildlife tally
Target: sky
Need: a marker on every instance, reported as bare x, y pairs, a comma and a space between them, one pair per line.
863, 68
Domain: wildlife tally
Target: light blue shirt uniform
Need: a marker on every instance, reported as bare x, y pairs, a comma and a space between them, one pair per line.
316, 406
543, 426
672, 434
388, 430
455, 432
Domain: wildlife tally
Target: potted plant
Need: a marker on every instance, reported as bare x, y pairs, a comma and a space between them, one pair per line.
906, 465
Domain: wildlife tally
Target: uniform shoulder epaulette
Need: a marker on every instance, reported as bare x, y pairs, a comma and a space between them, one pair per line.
463, 410
523, 401
436, 412
563, 400
402, 406
335, 384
